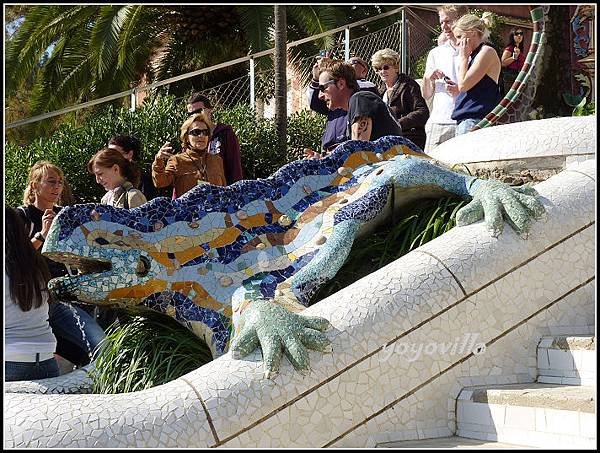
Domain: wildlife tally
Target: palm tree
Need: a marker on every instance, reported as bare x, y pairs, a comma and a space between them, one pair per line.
74, 53
280, 76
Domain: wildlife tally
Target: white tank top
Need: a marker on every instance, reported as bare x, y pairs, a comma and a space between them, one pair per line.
26, 332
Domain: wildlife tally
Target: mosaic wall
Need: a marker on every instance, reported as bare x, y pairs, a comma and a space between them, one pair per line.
567, 138
201, 257
506, 290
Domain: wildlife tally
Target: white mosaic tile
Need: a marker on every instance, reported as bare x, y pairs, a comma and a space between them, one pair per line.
347, 397
569, 303
566, 137
77, 381
362, 379
587, 425
87, 421
520, 417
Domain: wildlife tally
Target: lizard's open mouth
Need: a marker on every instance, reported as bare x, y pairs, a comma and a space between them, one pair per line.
87, 270
65, 288
84, 265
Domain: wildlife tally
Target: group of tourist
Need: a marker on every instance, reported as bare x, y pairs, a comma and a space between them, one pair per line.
462, 75
40, 332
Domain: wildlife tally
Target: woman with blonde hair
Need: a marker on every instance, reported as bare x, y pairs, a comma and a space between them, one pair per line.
402, 95
478, 72
118, 176
41, 199
76, 330
195, 164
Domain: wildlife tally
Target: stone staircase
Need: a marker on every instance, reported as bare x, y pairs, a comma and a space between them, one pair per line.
556, 411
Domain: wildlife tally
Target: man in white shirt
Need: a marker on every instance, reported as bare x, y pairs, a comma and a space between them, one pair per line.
440, 77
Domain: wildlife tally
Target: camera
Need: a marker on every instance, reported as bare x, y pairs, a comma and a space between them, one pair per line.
175, 145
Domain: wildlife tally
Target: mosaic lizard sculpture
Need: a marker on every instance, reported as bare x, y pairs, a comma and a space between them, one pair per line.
245, 259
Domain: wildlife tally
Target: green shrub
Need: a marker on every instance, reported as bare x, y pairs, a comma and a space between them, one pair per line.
584, 108
146, 351
417, 225
155, 122
417, 68
258, 141
305, 129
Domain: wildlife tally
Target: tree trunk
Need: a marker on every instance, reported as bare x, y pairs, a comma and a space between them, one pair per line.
280, 64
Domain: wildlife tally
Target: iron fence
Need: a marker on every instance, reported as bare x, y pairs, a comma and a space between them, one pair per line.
408, 35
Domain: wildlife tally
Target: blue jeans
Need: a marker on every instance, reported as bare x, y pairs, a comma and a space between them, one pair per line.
26, 371
76, 331
466, 125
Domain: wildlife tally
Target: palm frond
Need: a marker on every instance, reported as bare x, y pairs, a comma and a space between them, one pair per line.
312, 20
133, 15
18, 62
42, 26
256, 22
105, 38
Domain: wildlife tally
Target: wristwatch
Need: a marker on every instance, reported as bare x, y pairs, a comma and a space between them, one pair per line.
39, 236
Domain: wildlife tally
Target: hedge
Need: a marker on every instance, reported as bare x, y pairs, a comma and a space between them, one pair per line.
155, 122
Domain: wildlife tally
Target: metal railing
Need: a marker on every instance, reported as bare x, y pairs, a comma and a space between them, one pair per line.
250, 59
409, 35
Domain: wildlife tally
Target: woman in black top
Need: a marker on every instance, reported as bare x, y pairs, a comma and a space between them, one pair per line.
403, 95
76, 331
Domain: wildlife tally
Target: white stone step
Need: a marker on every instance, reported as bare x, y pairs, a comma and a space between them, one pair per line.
448, 442
567, 359
535, 414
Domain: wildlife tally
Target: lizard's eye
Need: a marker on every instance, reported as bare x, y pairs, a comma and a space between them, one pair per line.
143, 267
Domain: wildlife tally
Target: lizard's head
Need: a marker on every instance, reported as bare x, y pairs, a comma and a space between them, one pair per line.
114, 261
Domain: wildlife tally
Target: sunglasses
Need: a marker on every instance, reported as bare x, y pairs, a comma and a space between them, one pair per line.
519, 33
197, 132
323, 87
353, 62
385, 67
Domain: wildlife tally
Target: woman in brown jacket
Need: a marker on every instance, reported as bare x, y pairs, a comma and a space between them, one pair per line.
402, 95
194, 165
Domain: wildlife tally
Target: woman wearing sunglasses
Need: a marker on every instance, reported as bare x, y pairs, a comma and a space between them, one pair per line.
513, 58
194, 165
403, 96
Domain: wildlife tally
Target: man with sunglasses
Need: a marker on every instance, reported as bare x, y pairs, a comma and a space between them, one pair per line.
368, 118
361, 70
336, 130
439, 80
